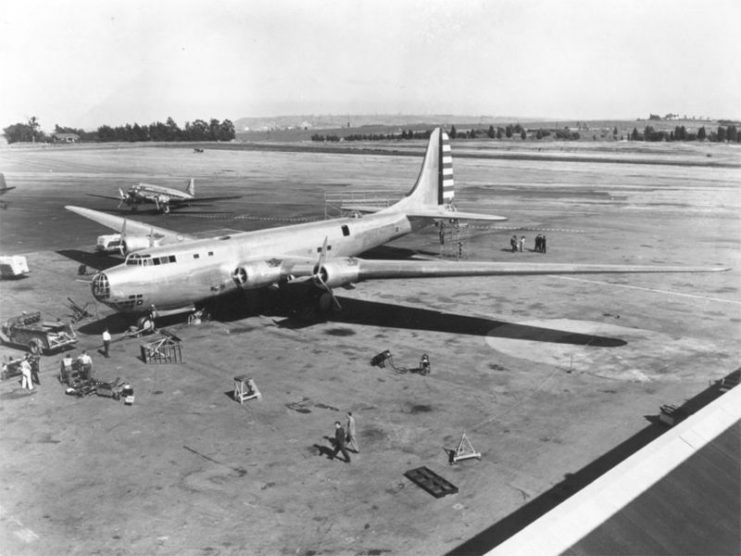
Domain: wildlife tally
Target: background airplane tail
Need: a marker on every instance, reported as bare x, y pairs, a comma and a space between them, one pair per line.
191, 188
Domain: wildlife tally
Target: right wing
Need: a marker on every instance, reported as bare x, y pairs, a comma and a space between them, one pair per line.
132, 226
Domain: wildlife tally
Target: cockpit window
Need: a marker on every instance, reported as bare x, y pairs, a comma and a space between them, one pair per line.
136, 259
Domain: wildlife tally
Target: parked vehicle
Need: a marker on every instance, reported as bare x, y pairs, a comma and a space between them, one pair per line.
27, 330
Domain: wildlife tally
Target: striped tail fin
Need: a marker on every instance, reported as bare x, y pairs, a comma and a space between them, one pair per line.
445, 178
434, 185
434, 191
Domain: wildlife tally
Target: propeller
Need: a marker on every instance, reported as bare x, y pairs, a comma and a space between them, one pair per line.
122, 245
318, 275
123, 196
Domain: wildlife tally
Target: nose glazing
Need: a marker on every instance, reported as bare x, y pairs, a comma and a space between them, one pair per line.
101, 287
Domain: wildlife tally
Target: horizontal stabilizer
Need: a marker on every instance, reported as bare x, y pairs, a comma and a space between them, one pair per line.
442, 213
365, 209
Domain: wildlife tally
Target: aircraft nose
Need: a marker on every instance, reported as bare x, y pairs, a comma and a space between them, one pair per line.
101, 287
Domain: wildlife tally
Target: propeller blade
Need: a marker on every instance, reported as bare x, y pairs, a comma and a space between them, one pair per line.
318, 275
122, 246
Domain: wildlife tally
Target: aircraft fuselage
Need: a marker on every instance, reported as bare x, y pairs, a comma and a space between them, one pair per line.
179, 276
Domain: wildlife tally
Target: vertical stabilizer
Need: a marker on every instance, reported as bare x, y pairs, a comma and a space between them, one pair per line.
434, 185
3, 185
191, 189
434, 191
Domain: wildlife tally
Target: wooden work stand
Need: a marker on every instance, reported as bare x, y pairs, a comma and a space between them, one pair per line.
463, 452
245, 389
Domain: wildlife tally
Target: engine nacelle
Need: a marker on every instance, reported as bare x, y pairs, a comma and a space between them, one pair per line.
136, 243
257, 275
340, 272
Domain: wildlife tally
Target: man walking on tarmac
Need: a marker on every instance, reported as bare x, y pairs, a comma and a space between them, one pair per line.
106, 342
339, 442
352, 442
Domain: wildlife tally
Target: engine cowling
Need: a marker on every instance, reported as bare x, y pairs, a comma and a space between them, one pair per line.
340, 272
257, 275
135, 243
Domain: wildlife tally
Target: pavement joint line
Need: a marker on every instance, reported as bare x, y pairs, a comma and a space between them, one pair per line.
655, 290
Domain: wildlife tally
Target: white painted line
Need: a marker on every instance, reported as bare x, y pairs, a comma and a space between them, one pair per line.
654, 290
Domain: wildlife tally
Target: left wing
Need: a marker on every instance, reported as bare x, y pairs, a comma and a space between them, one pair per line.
104, 196
343, 271
132, 226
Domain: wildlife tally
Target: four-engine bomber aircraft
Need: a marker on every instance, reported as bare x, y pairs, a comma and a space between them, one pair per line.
163, 198
177, 273
3, 190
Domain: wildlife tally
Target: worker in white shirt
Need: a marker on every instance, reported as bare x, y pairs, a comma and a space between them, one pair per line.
106, 342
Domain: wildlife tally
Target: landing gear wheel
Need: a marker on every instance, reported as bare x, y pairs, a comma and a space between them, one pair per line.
35, 347
145, 324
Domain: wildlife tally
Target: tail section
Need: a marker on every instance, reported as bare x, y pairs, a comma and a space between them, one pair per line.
434, 185
445, 178
191, 188
434, 191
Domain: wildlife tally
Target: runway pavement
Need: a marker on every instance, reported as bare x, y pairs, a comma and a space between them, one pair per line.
544, 374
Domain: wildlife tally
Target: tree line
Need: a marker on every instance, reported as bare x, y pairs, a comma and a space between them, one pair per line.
198, 130
724, 133
509, 131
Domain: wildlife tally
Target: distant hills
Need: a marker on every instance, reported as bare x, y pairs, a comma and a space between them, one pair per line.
333, 121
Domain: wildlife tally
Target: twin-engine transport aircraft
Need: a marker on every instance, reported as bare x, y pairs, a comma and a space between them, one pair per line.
182, 273
163, 198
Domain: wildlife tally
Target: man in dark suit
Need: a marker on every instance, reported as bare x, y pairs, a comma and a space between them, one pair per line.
339, 442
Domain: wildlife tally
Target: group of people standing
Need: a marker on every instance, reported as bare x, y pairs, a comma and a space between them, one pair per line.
519, 244
540, 243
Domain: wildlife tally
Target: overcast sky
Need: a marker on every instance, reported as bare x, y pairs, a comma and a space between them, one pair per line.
84, 63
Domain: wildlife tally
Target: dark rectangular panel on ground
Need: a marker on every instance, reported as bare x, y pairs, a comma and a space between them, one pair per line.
430, 481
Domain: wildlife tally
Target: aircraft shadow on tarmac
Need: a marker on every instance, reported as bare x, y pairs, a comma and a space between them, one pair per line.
386, 315
297, 312
98, 261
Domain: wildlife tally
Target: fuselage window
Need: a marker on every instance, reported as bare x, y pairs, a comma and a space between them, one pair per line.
345, 230
156, 262
173, 259
196, 255
210, 253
